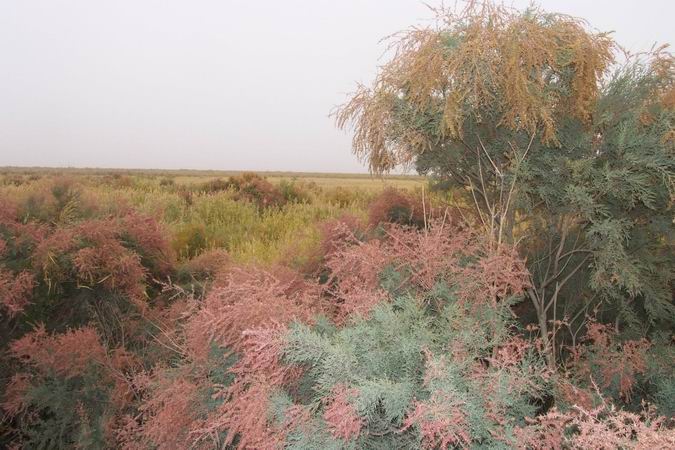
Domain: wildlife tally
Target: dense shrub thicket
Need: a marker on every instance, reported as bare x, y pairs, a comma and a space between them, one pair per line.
390, 336
530, 307
252, 187
559, 147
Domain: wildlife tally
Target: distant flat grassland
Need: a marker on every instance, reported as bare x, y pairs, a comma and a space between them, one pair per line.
187, 176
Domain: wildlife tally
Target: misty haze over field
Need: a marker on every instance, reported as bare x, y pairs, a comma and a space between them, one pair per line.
234, 85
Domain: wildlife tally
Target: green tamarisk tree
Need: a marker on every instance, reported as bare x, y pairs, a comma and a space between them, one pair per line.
528, 118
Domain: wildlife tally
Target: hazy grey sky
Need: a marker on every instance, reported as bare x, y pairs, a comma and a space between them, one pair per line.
229, 84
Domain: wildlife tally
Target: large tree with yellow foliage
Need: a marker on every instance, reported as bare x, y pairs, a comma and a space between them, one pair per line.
561, 142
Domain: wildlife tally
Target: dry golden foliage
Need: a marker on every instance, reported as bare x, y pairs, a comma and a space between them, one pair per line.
523, 69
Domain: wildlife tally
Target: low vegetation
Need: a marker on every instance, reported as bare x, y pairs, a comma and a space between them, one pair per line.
525, 301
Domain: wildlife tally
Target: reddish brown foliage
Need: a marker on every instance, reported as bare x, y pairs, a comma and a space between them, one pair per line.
574, 395
244, 412
248, 298
545, 432
254, 188
105, 252
511, 352
600, 428
396, 206
615, 362
15, 290
8, 212
121, 365
15, 392
335, 234
14, 233
208, 264
340, 415
150, 240
354, 273
67, 354
424, 258
170, 412
441, 422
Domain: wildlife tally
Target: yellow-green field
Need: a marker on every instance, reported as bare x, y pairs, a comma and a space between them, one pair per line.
200, 217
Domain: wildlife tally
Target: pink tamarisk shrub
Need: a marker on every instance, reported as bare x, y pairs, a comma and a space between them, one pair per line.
15, 290
443, 252
604, 359
68, 389
247, 298
396, 206
408, 342
603, 427
441, 422
340, 415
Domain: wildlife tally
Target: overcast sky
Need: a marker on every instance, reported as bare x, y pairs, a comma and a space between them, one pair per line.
227, 84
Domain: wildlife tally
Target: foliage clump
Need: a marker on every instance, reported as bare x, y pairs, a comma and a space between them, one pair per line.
396, 206
68, 390
560, 147
373, 368
486, 64
256, 189
546, 323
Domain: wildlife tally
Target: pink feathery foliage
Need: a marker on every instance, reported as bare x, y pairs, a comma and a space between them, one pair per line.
13, 402
15, 290
254, 188
337, 233
491, 377
15, 233
353, 285
546, 431
441, 421
245, 418
511, 352
112, 266
10, 220
8, 211
91, 254
67, 354
171, 403
126, 433
245, 312
208, 264
334, 234
248, 298
615, 362
170, 319
570, 394
340, 415
43, 358
443, 252
16, 286
396, 206
500, 272
122, 365
600, 428
244, 413
354, 301
170, 412
150, 239
115, 253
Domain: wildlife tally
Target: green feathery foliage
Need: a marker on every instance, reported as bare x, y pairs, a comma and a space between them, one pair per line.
407, 357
